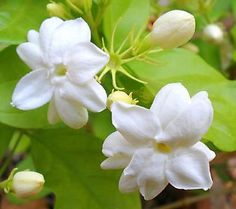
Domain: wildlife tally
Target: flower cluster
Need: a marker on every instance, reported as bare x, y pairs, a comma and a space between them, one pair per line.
64, 63
154, 145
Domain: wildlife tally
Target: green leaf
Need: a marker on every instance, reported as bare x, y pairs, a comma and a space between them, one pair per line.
70, 161
11, 70
189, 69
129, 14
17, 17
101, 124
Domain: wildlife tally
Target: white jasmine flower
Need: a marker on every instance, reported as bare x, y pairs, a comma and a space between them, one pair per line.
173, 29
64, 63
161, 145
27, 183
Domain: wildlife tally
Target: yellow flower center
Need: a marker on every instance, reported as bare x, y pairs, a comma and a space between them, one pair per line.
161, 147
60, 70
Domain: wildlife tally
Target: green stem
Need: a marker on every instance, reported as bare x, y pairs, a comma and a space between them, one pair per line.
12, 152
3, 184
96, 36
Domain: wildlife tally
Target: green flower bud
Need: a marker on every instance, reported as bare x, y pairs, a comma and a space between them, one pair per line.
120, 96
57, 9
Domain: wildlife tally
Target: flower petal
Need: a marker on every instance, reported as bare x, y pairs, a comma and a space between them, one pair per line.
67, 35
84, 61
46, 31
91, 95
116, 162
135, 123
149, 168
189, 169
169, 102
32, 91
115, 143
31, 54
53, 116
201, 147
71, 113
119, 151
33, 37
128, 183
191, 124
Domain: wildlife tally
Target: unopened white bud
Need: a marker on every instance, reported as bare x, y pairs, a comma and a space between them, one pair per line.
213, 33
120, 96
27, 183
173, 29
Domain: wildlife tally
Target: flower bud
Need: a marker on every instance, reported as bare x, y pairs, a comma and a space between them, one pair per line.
57, 9
173, 29
120, 96
213, 33
27, 183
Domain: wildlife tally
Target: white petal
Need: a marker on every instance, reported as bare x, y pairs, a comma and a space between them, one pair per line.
91, 95
115, 143
189, 169
135, 123
32, 91
191, 124
53, 116
119, 151
33, 37
201, 147
46, 32
169, 102
67, 35
128, 183
116, 162
84, 61
71, 113
149, 168
31, 54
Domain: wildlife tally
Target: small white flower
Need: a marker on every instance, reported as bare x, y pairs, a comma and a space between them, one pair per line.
27, 183
173, 29
161, 145
64, 63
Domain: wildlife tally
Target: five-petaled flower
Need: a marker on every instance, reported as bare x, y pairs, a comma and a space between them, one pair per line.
161, 145
64, 63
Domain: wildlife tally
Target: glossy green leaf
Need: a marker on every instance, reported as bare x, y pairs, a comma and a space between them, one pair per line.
70, 161
18, 16
129, 14
189, 69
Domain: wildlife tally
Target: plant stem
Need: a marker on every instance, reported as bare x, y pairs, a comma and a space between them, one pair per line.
96, 37
12, 152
